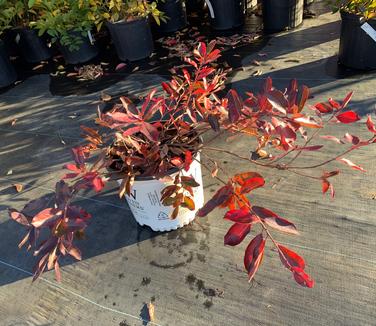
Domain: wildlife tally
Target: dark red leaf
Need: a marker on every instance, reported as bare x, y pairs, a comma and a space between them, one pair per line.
302, 278
213, 121
351, 164
253, 255
323, 108
241, 178
304, 97
242, 215
236, 234
275, 221
221, 196
348, 117
234, 106
289, 258
98, 184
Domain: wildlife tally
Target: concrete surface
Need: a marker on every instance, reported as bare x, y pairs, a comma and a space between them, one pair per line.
192, 278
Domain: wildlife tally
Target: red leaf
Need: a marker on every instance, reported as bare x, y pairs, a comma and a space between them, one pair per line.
234, 106
310, 148
334, 104
330, 174
253, 255
352, 139
289, 258
325, 186
275, 221
351, 164
348, 117
188, 160
242, 215
72, 167
241, 178
304, 97
346, 100
221, 196
323, 108
149, 131
18, 217
251, 184
278, 100
236, 234
370, 125
98, 184
46, 216
302, 278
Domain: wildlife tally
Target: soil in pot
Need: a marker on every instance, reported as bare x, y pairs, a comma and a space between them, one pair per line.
226, 14
356, 49
33, 48
176, 13
86, 52
7, 73
279, 15
133, 40
147, 208
194, 6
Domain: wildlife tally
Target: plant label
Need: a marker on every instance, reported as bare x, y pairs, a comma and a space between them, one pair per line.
369, 30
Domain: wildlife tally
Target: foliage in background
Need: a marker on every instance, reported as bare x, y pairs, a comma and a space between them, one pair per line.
366, 8
120, 10
164, 132
65, 21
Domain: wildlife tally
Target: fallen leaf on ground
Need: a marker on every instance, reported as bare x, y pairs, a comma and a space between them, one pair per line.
37, 67
256, 63
151, 311
135, 69
13, 122
120, 66
10, 172
257, 73
18, 186
261, 54
105, 97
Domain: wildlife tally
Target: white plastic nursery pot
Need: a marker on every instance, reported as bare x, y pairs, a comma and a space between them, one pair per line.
146, 205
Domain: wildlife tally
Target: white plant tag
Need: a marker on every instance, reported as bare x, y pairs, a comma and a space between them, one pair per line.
369, 30
91, 39
211, 10
17, 39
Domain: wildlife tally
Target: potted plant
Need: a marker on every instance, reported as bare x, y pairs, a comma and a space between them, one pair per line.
162, 139
7, 73
226, 14
357, 49
175, 15
128, 23
68, 24
33, 48
279, 15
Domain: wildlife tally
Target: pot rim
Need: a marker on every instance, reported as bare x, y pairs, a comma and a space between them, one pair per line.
356, 17
123, 22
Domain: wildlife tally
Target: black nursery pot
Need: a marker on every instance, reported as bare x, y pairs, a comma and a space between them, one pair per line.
194, 5
33, 48
228, 14
7, 73
279, 15
176, 13
133, 40
86, 52
356, 49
